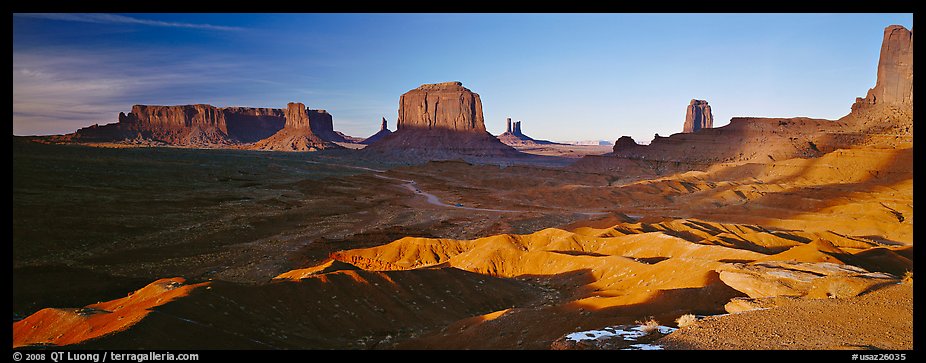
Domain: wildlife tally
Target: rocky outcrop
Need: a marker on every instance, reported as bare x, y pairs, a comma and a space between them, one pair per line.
322, 125
248, 124
296, 134
624, 143
793, 278
895, 70
441, 121
698, 116
383, 132
514, 137
297, 116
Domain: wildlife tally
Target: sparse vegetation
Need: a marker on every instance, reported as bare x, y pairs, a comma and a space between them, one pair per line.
686, 320
648, 326
908, 277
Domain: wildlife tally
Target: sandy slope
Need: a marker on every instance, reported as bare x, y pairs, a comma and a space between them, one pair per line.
878, 320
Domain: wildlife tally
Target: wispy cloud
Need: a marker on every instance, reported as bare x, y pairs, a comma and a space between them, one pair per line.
122, 19
58, 94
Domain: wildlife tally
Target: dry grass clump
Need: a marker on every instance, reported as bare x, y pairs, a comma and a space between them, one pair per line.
686, 320
648, 326
907, 277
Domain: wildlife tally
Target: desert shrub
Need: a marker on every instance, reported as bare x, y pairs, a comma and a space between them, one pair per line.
686, 320
649, 326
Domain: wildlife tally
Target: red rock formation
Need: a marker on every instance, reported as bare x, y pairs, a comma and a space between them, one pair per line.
186, 125
446, 105
210, 126
163, 117
247, 124
884, 119
320, 121
514, 136
624, 143
296, 134
895, 68
439, 121
698, 116
383, 132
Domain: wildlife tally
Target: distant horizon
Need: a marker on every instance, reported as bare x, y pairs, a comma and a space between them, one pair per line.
567, 77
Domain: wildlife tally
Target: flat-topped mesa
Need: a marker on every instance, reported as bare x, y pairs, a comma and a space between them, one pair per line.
446, 105
698, 116
197, 125
441, 121
895, 71
152, 116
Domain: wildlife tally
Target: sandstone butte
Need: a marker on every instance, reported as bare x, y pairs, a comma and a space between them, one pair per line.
297, 134
383, 132
207, 126
442, 120
698, 116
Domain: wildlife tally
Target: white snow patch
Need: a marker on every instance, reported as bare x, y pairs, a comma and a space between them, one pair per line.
644, 347
627, 335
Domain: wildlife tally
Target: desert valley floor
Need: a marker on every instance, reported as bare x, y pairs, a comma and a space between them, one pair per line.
116, 247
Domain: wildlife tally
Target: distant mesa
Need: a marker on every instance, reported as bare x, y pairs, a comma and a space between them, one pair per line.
383, 132
698, 116
625, 143
202, 125
442, 120
514, 137
297, 134
587, 142
187, 125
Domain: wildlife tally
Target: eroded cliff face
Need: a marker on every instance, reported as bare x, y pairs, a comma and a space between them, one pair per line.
248, 124
162, 117
895, 68
296, 134
888, 107
448, 106
209, 126
441, 121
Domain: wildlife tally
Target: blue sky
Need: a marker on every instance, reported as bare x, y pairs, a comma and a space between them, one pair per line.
566, 76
